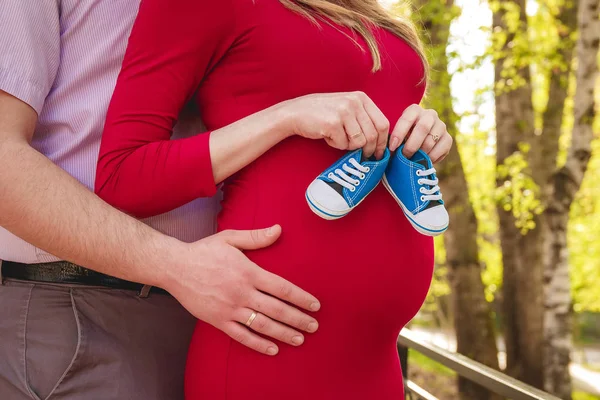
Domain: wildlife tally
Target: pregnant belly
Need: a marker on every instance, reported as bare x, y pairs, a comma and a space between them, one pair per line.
369, 268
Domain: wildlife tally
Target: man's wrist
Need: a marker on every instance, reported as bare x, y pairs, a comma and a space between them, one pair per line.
164, 261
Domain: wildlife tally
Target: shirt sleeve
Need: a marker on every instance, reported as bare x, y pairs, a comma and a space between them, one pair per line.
172, 47
29, 49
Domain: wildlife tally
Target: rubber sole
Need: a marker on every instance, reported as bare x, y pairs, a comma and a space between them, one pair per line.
321, 213
424, 230
329, 214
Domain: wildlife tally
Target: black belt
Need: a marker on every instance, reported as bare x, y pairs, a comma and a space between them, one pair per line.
69, 273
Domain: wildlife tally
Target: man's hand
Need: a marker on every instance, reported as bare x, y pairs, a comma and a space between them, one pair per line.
219, 285
47, 207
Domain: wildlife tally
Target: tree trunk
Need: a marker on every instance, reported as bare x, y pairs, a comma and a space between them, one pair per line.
560, 194
522, 280
523, 285
472, 315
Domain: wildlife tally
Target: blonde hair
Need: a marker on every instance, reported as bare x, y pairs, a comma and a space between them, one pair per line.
360, 15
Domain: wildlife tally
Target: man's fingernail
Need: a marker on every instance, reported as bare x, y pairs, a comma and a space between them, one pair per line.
270, 231
297, 340
394, 143
312, 326
315, 306
271, 351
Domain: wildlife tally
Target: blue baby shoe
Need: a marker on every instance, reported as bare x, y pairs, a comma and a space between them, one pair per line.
412, 182
345, 184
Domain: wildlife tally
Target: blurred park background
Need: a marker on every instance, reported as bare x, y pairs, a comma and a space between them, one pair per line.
517, 281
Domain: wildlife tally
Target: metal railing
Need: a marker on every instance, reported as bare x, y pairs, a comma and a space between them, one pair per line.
483, 375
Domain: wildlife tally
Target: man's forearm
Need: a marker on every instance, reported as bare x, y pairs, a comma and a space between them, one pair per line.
47, 207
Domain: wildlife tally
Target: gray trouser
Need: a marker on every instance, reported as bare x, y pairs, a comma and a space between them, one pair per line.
67, 342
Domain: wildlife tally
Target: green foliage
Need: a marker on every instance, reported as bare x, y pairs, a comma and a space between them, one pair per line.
583, 239
479, 165
551, 37
518, 192
567, 128
511, 45
584, 396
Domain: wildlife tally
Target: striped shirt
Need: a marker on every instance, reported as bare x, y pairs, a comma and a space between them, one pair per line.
62, 57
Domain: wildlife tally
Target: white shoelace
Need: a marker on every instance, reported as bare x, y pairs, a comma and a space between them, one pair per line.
429, 194
344, 179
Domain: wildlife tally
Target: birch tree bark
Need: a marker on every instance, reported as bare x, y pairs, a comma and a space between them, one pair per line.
564, 185
543, 163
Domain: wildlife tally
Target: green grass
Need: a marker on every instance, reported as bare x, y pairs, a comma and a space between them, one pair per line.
584, 396
428, 364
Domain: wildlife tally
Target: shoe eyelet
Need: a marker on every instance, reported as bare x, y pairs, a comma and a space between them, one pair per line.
368, 169
422, 198
356, 183
362, 176
420, 181
421, 190
418, 172
353, 189
330, 175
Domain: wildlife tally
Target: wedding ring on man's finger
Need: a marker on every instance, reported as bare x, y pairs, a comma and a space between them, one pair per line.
355, 135
251, 319
435, 137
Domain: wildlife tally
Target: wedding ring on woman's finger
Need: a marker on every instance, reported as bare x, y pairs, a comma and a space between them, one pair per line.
435, 136
251, 319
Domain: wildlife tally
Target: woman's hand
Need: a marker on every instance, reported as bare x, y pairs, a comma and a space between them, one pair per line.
425, 131
347, 121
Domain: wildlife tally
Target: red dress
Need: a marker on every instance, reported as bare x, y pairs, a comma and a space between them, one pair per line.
370, 270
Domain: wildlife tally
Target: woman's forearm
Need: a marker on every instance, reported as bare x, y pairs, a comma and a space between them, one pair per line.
237, 145
150, 178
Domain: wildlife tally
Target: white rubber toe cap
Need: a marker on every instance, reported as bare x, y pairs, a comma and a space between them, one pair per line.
435, 218
326, 198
